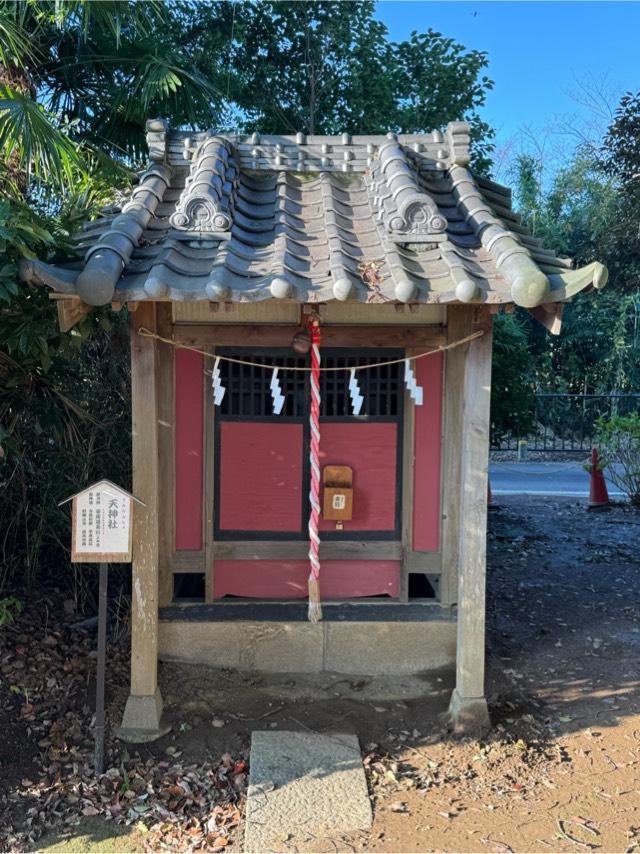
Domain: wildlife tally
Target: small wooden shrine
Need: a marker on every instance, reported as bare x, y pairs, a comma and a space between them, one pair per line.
311, 327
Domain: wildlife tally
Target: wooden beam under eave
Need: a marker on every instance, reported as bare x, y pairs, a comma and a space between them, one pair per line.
549, 315
225, 335
71, 310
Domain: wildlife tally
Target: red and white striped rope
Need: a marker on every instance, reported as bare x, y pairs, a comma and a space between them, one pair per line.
315, 609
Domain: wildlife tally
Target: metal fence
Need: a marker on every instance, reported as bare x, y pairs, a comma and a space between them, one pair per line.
567, 422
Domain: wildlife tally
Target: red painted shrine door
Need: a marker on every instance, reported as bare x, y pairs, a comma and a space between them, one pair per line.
261, 504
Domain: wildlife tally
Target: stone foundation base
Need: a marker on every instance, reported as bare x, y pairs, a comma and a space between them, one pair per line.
367, 648
141, 721
469, 715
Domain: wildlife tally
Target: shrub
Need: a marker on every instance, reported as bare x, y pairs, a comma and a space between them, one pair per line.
618, 443
10, 607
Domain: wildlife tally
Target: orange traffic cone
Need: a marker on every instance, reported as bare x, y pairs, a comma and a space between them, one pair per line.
598, 494
490, 504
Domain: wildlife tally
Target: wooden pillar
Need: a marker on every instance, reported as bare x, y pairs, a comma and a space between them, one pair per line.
468, 706
141, 720
459, 322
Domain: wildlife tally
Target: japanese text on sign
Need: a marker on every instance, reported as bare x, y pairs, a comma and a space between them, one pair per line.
102, 521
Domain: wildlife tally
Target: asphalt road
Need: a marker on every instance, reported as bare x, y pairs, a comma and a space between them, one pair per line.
548, 478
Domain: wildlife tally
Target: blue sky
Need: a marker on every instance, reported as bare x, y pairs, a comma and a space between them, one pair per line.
537, 50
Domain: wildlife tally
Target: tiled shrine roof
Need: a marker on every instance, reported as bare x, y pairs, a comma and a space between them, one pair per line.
230, 218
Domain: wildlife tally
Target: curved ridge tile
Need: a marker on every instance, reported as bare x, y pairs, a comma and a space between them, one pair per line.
410, 213
106, 259
60, 279
529, 285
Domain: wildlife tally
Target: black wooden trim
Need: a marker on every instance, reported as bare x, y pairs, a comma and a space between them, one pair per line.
297, 612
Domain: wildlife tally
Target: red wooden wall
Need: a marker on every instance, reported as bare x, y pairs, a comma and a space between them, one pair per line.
189, 426
371, 451
276, 579
426, 470
260, 476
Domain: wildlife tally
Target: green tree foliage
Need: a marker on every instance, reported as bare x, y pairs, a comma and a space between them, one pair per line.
316, 67
587, 216
512, 390
438, 81
591, 211
63, 405
578, 217
102, 68
329, 67
621, 146
512, 396
71, 83
528, 189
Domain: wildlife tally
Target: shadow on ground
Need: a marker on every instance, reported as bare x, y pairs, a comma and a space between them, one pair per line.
96, 836
563, 612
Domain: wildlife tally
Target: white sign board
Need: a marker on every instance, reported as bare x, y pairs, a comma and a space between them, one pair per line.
101, 530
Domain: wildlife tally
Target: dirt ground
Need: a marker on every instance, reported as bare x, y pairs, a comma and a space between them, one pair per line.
559, 772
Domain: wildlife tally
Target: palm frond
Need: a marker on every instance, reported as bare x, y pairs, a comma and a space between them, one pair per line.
31, 141
16, 45
108, 16
160, 84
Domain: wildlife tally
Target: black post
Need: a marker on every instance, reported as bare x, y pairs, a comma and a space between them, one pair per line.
102, 657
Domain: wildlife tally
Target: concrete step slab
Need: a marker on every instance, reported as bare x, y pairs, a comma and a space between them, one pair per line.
304, 787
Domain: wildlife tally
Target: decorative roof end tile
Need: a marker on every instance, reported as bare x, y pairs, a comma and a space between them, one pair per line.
410, 215
206, 206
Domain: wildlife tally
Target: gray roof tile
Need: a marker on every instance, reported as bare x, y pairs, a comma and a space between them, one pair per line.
313, 219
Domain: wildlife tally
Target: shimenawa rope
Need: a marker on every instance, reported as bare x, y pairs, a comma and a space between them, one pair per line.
146, 333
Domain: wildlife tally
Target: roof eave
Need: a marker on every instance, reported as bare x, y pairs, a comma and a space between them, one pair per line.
564, 286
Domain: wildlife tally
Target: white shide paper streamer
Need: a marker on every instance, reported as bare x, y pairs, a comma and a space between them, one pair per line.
276, 393
218, 388
413, 388
357, 399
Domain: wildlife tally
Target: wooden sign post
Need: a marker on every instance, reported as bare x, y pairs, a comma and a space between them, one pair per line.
101, 532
